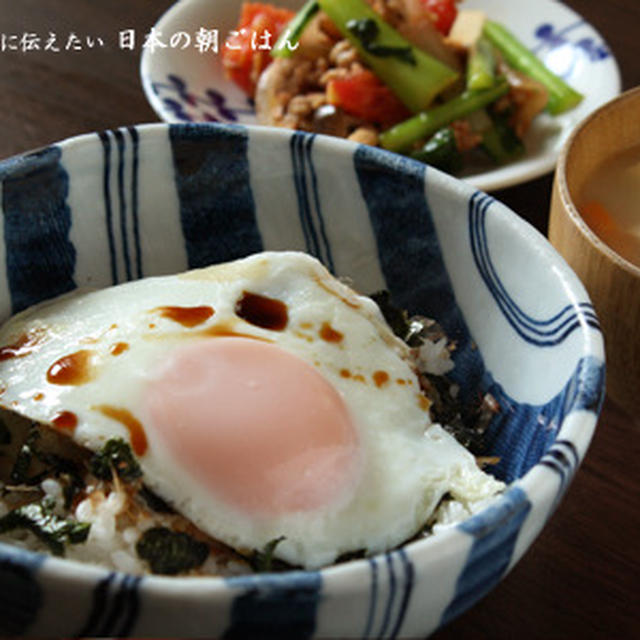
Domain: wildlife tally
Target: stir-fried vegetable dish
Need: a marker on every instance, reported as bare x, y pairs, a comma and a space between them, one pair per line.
425, 78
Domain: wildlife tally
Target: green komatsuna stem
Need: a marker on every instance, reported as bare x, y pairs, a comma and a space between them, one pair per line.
414, 76
499, 149
405, 135
481, 66
441, 151
561, 96
285, 44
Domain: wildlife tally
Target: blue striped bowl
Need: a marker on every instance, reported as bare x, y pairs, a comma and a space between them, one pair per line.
105, 208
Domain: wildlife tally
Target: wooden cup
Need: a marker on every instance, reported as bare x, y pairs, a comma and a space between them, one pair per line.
612, 282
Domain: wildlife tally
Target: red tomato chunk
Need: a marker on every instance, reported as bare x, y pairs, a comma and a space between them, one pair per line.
444, 13
363, 95
247, 50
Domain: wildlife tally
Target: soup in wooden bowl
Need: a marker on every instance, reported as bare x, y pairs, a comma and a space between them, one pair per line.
595, 224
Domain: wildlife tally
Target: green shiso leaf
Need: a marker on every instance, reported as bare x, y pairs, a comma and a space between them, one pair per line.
54, 531
116, 455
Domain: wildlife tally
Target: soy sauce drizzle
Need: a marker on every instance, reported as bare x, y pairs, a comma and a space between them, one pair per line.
380, 378
118, 348
329, 334
23, 346
74, 369
262, 311
133, 425
186, 316
65, 420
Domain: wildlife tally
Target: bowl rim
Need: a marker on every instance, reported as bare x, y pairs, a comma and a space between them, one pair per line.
540, 488
563, 186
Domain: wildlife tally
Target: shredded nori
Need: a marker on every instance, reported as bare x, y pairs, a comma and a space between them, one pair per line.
396, 318
39, 518
169, 552
115, 456
68, 472
467, 423
5, 434
20, 471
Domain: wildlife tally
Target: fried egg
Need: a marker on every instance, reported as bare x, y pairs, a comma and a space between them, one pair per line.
263, 399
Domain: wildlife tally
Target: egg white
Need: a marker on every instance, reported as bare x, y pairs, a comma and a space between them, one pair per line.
407, 463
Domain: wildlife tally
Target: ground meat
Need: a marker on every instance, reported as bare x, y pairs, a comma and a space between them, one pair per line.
365, 135
343, 54
304, 105
340, 72
466, 138
526, 99
390, 11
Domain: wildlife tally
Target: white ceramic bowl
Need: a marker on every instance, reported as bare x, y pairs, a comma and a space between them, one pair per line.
186, 85
104, 208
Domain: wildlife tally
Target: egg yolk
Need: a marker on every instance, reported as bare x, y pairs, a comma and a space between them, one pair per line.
256, 425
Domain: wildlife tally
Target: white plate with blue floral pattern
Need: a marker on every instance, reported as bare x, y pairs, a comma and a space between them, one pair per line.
184, 80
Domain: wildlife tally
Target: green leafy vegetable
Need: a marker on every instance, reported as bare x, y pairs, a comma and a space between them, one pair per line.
53, 530
561, 96
403, 136
367, 32
415, 84
262, 561
501, 142
116, 455
294, 30
441, 151
169, 553
481, 67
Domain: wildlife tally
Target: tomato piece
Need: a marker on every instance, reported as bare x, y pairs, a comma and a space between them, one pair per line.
444, 13
246, 52
363, 95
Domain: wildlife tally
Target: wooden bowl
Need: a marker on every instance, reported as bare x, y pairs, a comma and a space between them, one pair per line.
613, 283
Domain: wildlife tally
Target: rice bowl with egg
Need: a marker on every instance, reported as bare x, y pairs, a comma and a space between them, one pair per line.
263, 400
222, 193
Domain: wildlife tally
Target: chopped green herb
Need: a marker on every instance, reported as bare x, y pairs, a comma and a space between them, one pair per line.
54, 531
367, 31
169, 553
262, 561
116, 455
